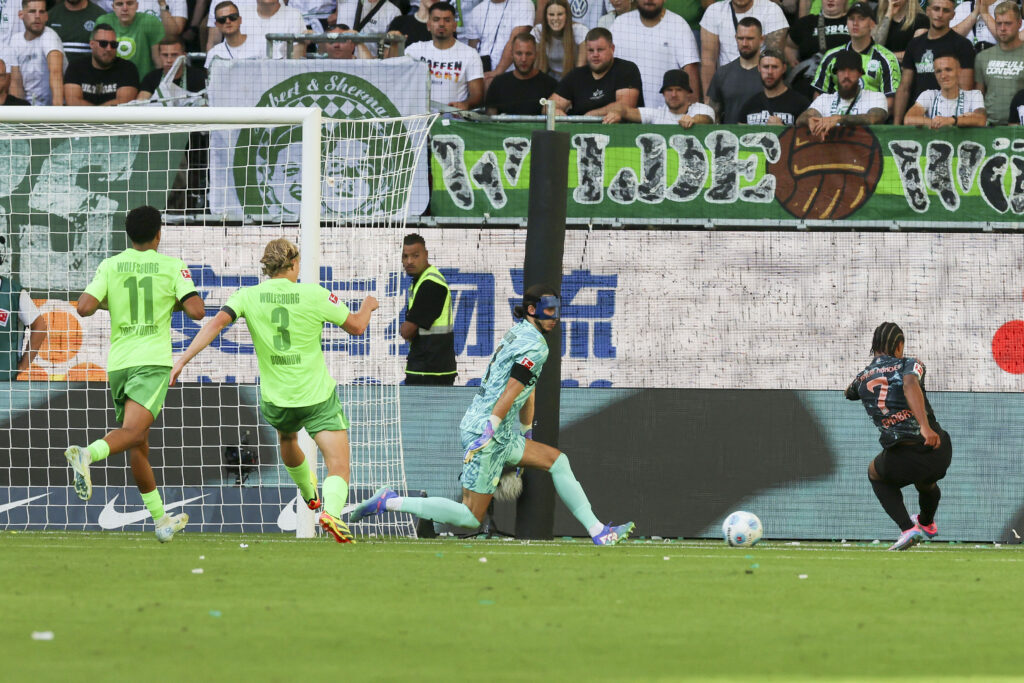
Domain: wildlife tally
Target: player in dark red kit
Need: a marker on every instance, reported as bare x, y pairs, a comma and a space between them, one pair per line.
915, 449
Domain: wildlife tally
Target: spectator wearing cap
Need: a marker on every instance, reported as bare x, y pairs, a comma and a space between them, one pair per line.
681, 105
850, 105
776, 104
519, 91
881, 68
734, 83
918, 72
949, 105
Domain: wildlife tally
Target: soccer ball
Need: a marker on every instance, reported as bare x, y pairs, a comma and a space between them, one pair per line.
742, 529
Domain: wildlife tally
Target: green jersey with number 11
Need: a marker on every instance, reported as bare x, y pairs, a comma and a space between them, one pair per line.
141, 289
286, 321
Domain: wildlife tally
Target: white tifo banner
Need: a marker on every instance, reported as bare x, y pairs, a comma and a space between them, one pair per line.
725, 310
256, 168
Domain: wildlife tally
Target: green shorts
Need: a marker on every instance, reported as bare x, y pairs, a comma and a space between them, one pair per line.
144, 384
322, 417
481, 474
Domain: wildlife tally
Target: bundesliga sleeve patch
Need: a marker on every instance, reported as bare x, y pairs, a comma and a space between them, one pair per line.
526, 363
333, 298
4, 316
918, 369
186, 274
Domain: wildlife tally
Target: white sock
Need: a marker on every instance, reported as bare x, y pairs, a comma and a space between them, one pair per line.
596, 529
393, 504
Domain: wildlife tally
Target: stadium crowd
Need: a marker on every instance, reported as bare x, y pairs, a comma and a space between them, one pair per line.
819, 63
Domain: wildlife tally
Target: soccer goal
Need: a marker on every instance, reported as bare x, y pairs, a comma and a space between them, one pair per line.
228, 180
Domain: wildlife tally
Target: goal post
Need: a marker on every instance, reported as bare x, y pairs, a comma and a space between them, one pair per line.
229, 179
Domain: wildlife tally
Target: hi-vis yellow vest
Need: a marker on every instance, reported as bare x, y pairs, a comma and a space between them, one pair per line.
432, 351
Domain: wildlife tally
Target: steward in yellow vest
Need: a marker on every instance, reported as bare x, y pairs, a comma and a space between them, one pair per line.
428, 322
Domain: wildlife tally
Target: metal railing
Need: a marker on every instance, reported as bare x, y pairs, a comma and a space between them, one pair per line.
289, 39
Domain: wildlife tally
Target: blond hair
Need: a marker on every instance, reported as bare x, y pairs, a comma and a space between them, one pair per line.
278, 256
912, 8
1008, 8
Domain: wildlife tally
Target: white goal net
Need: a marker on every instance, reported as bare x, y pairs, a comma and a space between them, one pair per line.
227, 181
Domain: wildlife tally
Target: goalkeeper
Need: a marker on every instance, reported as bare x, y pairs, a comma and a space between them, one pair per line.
141, 288
286, 320
493, 440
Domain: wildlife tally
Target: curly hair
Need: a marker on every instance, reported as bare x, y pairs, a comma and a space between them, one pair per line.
278, 256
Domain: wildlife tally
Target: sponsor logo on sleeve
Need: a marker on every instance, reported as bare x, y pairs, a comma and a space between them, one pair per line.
526, 363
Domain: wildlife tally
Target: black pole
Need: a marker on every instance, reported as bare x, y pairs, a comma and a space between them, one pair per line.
545, 244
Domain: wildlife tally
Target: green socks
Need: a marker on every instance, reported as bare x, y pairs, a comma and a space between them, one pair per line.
571, 493
438, 510
300, 475
335, 494
99, 450
154, 503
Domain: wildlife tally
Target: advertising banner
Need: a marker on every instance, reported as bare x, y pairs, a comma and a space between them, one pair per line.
954, 177
252, 170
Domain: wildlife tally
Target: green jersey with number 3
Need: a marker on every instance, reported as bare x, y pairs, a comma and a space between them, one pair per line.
141, 289
286, 321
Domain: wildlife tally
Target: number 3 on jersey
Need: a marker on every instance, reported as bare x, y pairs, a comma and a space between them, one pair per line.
882, 384
282, 340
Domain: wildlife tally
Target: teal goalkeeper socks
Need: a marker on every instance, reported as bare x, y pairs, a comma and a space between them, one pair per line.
154, 503
300, 475
439, 510
335, 495
571, 493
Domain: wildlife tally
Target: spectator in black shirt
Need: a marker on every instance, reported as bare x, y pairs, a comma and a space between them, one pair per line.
1017, 109
102, 78
412, 26
776, 104
189, 78
898, 22
519, 91
6, 99
605, 79
919, 58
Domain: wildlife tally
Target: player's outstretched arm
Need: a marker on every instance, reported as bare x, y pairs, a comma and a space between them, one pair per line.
206, 335
356, 323
915, 399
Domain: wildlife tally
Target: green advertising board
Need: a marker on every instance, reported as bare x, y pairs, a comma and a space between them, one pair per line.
63, 202
768, 174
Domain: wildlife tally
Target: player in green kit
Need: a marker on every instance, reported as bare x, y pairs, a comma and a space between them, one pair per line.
494, 439
286, 319
141, 288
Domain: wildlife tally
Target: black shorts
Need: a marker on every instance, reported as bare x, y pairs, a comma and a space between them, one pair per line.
913, 463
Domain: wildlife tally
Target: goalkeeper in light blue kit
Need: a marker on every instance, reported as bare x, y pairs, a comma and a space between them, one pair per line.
495, 439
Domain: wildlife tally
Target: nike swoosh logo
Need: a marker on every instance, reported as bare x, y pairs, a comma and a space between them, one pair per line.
112, 519
288, 519
17, 503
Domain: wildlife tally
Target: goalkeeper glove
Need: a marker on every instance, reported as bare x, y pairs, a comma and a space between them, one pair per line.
478, 445
526, 430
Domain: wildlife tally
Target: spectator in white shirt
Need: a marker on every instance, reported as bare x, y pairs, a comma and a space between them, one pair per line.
37, 73
680, 106
718, 28
366, 16
236, 45
949, 106
558, 42
850, 105
456, 74
262, 17
657, 41
490, 27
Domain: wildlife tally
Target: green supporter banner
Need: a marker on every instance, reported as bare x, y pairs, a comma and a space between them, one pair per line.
63, 202
892, 174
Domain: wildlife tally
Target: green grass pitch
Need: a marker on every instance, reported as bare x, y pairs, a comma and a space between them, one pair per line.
123, 607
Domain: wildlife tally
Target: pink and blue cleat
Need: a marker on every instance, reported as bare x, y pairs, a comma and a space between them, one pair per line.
610, 535
374, 505
908, 539
930, 530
